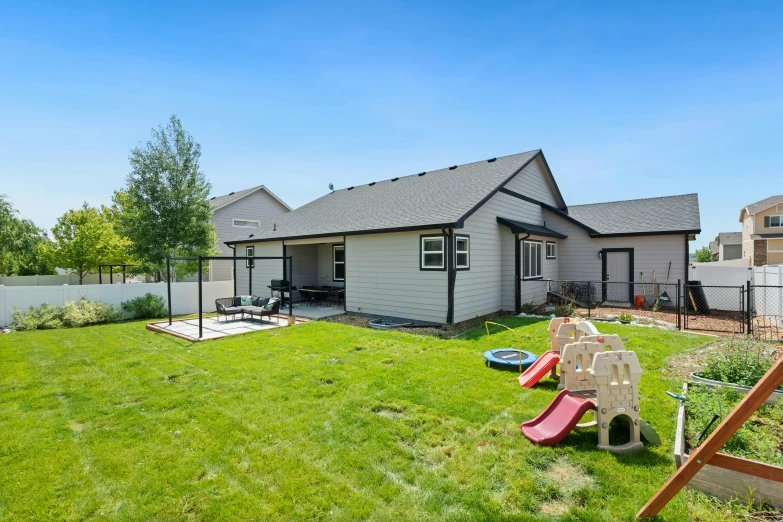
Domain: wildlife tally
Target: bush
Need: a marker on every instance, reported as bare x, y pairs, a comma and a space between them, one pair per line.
530, 308
49, 316
740, 361
146, 307
625, 317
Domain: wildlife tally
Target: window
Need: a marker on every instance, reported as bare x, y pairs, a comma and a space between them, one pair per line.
532, 259
463, 252
773, 221
250, 252
338, 263
246, 223
433, 253
551, 250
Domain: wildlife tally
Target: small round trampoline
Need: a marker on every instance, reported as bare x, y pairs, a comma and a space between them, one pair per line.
509, 358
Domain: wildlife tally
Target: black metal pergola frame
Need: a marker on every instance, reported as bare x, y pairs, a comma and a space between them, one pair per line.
234, 258
111, 272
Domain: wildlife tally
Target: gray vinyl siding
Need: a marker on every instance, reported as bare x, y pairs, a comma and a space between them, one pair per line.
259, 206
383, 278
489, 284
264, 270
533, 183
578, 255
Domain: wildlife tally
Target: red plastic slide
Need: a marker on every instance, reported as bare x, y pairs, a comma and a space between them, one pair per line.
557, 420
538, 369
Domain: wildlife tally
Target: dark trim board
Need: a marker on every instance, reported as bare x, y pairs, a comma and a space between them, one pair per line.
445, 252
604, 273
452, 275
336, 234
517, 274
660, 233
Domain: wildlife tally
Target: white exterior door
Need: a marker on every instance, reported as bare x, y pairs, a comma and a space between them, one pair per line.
618, 270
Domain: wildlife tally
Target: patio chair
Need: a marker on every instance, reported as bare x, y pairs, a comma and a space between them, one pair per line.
226, 306
307, 297
319, 296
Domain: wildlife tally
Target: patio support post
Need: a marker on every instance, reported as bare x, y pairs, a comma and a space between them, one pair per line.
234, 273
111, 274
250, 264
200, 304
290, 285
100, 275
123, 274
168, 285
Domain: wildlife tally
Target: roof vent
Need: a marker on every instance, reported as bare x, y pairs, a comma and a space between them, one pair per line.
395, 179
371, 184
230, 193
452, 168
349, 188
491, 160
213, 197
423, 173
251, 235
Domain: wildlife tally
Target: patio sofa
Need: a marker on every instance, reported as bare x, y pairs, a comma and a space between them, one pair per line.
257, 307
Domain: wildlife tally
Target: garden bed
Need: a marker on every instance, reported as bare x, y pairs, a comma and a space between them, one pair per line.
751, 463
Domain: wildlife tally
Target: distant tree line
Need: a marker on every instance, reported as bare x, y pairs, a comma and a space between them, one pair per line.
162, 211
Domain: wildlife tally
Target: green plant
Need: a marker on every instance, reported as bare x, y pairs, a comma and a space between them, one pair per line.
758, 439
739, 361
625, 317
530, 308
49, 316
565, 309
146, 306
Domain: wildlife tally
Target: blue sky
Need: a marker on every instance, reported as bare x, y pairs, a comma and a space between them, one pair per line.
627, 100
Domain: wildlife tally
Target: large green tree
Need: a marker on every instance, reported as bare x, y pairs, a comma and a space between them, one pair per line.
22, 244
703, 255
84, 239
163, 209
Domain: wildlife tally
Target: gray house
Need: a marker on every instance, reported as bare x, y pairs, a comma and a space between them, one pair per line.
456, 243
237, 212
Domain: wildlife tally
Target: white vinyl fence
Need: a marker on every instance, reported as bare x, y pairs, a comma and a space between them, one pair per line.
184, 296
767, 301
57, 280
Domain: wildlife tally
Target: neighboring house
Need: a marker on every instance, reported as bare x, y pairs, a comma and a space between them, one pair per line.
728, 246
453, 244
235, 213
762, 231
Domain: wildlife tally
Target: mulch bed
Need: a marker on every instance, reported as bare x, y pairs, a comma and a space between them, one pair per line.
443, 332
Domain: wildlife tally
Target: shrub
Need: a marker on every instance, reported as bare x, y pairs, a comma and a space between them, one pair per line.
740, 361
146, 306
625, 317
49, 316
530, 308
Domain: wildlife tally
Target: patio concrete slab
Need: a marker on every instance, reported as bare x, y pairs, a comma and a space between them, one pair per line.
214, 328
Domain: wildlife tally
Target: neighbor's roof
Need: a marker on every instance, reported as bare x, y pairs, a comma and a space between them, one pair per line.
668, 214
730, 238
222, 201
764, 204
432, 199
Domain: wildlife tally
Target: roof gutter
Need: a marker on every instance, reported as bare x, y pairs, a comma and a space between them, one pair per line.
434, 226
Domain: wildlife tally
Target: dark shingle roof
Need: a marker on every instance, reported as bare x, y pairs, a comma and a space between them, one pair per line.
219, 201
641, 216
730, 238
764, 204
435, 198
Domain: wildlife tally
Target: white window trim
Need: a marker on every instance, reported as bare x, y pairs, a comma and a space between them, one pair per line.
335, 262
442, 251
234, 223
554, 247
250, 252
457, 238
540, 249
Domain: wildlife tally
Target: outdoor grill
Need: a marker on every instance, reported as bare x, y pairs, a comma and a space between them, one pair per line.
283, 286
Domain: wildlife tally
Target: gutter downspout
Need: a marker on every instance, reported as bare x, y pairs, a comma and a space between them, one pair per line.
451, 274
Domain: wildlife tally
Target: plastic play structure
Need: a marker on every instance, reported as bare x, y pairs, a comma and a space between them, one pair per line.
508, 357
604, 382
562, 331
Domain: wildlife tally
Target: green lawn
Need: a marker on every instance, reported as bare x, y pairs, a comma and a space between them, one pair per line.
318, 421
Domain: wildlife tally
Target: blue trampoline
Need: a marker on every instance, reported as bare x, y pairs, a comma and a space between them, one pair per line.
509, 358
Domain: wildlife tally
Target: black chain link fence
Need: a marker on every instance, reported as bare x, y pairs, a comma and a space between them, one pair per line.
765, 317
714, 308
643, 301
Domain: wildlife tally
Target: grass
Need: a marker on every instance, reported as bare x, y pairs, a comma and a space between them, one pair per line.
319, 421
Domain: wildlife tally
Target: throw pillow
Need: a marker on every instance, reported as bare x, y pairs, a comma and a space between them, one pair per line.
271, 304
246, 300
